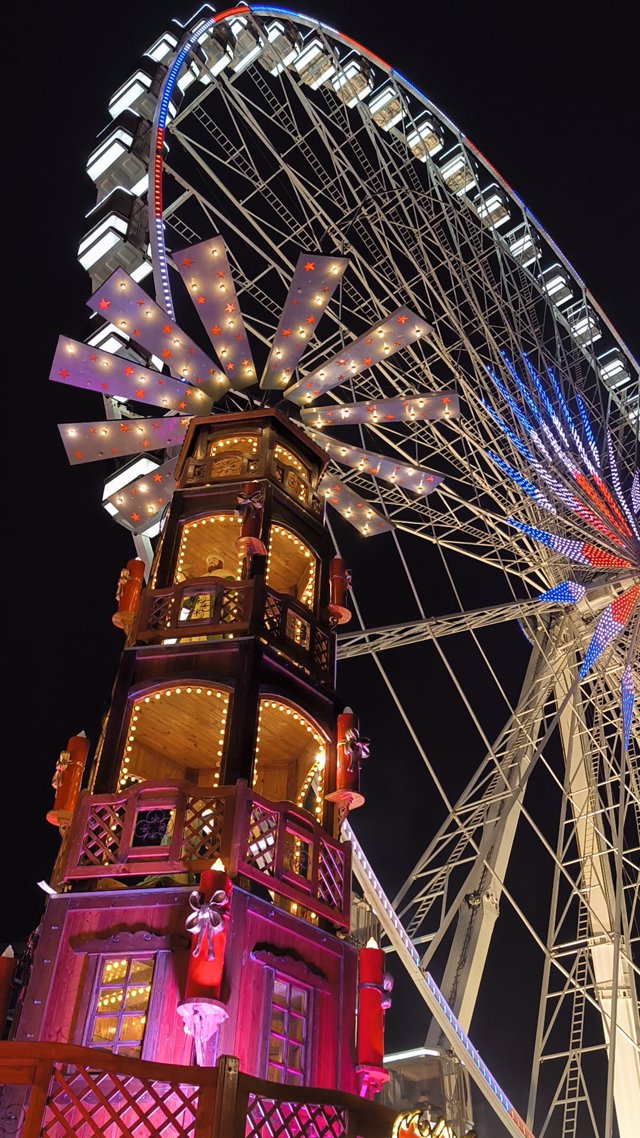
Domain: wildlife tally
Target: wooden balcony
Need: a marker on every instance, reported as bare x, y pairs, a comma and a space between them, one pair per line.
52, 1090
175, 828
238, 608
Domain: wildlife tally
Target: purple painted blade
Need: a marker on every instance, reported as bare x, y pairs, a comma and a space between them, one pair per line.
314, 281
396, 331
141, 503
80, 365
207, 276
414, 478
114, 438
441, 405
125, 305
356, 510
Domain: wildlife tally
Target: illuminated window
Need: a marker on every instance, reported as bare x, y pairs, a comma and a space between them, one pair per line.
208, 548
288, 1033
118, 1018
175, 732
291, 566
292, 473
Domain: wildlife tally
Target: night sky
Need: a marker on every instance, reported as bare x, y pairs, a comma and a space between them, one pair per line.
549, 94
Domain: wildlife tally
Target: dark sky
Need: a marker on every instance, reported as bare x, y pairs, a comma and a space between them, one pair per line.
547, 92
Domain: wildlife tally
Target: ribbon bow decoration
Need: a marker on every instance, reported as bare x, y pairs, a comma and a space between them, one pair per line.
356, 749
206, 919
122, 580
61, 766
252, 503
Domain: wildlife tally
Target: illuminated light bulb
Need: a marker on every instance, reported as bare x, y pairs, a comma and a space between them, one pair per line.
148, 312
73, 432
123, 285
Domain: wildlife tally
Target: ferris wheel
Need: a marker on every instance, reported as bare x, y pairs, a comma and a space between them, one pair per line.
272, 190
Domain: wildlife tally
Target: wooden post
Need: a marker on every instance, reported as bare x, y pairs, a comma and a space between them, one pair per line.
224, 1111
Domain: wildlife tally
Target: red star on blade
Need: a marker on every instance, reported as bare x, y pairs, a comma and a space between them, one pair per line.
139, 393
166, 353
92, 430
135, 517
124, 427
341, 363
146, 444
367, 361
161, 383
140, 302
64, 373
216, 330
191, 351
181, 406
128, 371
401, 319
187, 261
246, 363
200, 300
155, 426
93, 359
230, 367
104, 387
157, 478
159, 501
369, 340
229, 307
78, 454
104, 304
309, 267
136, 331
286, 331
220, 275
166, 328
398, 343
310, 319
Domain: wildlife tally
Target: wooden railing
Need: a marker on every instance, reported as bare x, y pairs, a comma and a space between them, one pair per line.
237, 608
173, 827
52, 1090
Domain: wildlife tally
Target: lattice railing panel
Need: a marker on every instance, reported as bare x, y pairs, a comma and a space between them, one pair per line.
160, 612
331, 876
103, 831
267, 1118
85, 1102
261, 839
272, 614
232, 607
203, 827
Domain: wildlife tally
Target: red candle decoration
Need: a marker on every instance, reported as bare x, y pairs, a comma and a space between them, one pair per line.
128, 594
209, 920
67, 780
340, 580
373, 1000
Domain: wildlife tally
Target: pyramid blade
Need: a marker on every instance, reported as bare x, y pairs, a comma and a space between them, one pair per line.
207, 276
356, 510
314, 281
390, 335
439, 405
125, 305
139, 504
80, 365
415, 478
114, 438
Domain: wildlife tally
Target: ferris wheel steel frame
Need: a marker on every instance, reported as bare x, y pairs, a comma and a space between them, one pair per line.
483, 302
